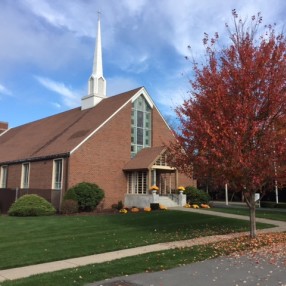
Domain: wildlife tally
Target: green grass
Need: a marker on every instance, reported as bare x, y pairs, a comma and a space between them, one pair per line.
260, 213
142, 263
156, 261
33, 240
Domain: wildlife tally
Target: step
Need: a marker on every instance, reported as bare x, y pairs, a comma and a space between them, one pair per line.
166, 201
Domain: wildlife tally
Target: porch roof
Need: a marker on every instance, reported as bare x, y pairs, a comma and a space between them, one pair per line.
144, 159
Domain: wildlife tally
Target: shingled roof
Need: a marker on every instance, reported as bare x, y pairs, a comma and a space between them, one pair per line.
59, 134
144, 159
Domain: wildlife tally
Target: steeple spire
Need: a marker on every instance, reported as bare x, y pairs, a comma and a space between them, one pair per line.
96, 83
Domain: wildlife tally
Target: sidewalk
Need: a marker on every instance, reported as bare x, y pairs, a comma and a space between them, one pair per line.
26, 271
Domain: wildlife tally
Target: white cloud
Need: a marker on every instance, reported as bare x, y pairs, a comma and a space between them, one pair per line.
4, 90
134, 6
69, 97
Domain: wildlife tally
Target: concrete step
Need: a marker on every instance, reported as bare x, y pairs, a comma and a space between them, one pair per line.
168, 202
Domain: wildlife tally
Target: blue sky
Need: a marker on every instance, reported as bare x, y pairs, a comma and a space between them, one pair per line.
47, 47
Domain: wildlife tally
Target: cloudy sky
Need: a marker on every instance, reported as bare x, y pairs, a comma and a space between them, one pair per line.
47, 48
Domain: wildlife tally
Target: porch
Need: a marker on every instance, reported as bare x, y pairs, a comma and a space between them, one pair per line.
150, 167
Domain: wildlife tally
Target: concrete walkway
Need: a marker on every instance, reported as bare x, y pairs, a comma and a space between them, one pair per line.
26, 271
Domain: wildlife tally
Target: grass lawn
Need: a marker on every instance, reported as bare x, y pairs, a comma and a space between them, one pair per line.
142, 263
157, 261
260, 212
32, 240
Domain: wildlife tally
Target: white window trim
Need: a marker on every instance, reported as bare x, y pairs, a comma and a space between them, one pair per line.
1, 177
54, 174
23, 176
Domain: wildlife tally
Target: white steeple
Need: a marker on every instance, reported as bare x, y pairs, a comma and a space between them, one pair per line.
96, 83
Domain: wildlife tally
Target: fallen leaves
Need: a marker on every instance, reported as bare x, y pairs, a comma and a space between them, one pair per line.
267, 246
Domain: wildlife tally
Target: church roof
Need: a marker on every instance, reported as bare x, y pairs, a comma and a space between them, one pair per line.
59, 134
144, 159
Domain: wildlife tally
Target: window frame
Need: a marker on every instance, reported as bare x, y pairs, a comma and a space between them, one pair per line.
4, 179
141, 126
25, 176
137, 183
57, 184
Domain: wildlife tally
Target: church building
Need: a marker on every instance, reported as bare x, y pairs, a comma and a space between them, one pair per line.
117, 142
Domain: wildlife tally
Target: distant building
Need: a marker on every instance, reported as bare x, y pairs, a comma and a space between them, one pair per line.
116, 142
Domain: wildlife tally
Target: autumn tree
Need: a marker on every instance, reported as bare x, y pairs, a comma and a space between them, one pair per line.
232, 126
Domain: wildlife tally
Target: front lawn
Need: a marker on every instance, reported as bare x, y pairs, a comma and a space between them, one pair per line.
32, 240
155, 261
260, 212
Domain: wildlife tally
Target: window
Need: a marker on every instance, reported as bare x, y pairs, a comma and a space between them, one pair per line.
140, 125
3, 178
58, 174
137, 183
25, 176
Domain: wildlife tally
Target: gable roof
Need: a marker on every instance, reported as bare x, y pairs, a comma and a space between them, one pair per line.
59, 134
145, 158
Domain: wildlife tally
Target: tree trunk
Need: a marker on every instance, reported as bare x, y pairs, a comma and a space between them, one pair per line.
250, 201
252, 215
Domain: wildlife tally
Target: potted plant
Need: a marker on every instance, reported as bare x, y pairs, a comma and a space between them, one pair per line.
154, 189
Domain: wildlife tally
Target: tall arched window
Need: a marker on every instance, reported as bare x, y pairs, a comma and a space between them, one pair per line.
141, 123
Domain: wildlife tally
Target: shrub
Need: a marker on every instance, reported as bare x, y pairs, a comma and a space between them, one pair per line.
87, 195
281, 206
31, 205
196, 196
118, 206
69, 206
266, 204
70, 195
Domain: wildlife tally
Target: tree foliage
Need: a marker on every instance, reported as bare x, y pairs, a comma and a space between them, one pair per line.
232, 128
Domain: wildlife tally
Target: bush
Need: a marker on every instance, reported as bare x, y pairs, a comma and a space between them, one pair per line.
118, 206
87, 195
266, 204
69, 206
31, 205
281, 206
196, 196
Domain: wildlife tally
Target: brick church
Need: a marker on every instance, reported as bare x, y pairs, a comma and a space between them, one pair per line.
116, 142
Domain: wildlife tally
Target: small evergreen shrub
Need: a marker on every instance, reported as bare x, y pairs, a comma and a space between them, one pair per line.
196, 196
118, 206
70, 195
69, 206
31, 205
88, 195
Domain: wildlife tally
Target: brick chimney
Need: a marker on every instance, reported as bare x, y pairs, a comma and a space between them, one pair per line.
3, 127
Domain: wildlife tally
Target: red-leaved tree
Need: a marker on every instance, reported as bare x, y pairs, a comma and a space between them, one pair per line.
232, 127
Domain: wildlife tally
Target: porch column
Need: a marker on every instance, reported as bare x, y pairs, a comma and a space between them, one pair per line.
149, 183
170, 182
154, 177
176, 179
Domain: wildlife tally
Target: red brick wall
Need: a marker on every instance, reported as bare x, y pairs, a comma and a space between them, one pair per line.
41, 174
102, 158
186, 181
161, 133
14, 176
